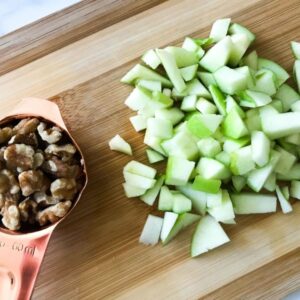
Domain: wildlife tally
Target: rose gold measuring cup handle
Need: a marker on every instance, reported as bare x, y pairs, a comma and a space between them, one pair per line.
40, 107
20, 261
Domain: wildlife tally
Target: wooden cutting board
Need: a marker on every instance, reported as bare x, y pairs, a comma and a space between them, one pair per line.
95, 253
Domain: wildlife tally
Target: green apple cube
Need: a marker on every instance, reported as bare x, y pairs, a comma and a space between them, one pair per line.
230, 81
167, 92
250, 60
224, 158
150, 85
138, 180
147, 111
141, 72
178, 170
247, 203
117, 143
285, 191
286, 161
151, 231
165, 200
138, 98
209, 147
169, 63
277, 104
151, 59
265, 82
198, 198
181, 145
204, 125
133, 191
231, 145
205, 107
214, 199
189, 73
253, 121
224, 211
257, 178
230, 222
160, 128
200, 52
260, 146
138, 168
150, 196
138, 122
206, 185
218, 135
287, 95
204, 42
212, 169
207, 78
241, 161
181, 203
293, 173
238, 182
296, 71
280, 125
190, 44
218, 98
234, 126
171, 228
281, 74
217, 56
154, 142
284, 202
160, 100
231, 104
295, 189
237, 28
293, 139
189, 103
195, 87
254, 99
240, 44
154, 156
174, 114
208, 235
296, 106
296, 49
219, 29
270, 183
267, 111
249, 74
182, 56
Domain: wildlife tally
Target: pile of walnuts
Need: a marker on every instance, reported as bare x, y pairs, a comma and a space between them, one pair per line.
40, 173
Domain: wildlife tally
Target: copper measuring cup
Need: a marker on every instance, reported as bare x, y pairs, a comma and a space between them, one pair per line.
21, 254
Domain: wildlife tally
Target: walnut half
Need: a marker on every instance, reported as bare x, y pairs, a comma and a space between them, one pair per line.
11, 217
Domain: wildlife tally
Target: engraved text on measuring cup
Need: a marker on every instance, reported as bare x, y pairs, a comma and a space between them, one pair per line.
25, 249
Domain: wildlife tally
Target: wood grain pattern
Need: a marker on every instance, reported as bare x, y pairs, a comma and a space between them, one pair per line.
95, 251
63, 28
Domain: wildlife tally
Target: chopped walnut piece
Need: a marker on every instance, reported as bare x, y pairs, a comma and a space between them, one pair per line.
5, 134
11, 217
51, 135
65, 152
28, 210
19, 156
2, 154
27, 139
63, 188
26, 126
8, 182
38, 159
32, 181
53, 213
42, 199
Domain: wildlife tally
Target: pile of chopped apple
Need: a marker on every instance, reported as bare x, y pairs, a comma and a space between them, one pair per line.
228, 126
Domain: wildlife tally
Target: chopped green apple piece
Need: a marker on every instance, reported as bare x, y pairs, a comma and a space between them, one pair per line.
218, 98
209, 147
174, 114
270, 183
138, 122
160, 128
237, 28
219, 29
240, 44
247, 203
281, 74
151, 59
257, 177
142, 72
190, 44
230, 145
238, 182
147, 111
205, 106
230, 81
151, 85
138, 168
160, 100
286, 161
150, 196
250, 60
241, 161
182, 56
165, 200
234, 126
293, 173
189, 73
204, 42
293, 139
295, 189
260, 147
206, 185
254, 99
195, 87
217, 56
171, 68
285, 191
277, 104
296, 49
224, 158
265, 82
171, 228
178, 170
189, 103
181, 203
231, 104
154, 156
284, 202
214, 199
212, 169
117, 143
253, 121
208, 235
287, 95
249, 74
154, 142
296, 71
167, 92
207, 78
138, 98
138, 180
133, 191
151, 231
204, 125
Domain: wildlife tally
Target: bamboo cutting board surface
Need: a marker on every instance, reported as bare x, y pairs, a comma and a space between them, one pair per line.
95, 253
